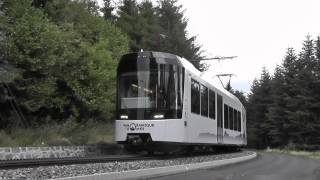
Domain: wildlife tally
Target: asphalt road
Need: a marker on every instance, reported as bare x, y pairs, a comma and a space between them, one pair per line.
267, 166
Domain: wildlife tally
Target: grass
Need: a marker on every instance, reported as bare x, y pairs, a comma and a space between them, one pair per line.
69, 133
313, 155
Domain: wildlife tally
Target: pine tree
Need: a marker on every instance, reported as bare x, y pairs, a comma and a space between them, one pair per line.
160, 28
289, 115
173, 28
258, 103
299, 104
277, 116
107, 10
317, 50
316, 93
241, 96
131, 23
282, 92
151, 31
307, 84
252, 124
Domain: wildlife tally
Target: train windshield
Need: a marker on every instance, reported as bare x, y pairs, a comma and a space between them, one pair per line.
149, 90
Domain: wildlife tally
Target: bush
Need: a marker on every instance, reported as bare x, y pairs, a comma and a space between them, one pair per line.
68, 133
6, 140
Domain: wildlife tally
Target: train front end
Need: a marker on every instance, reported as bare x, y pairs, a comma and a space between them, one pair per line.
149, 100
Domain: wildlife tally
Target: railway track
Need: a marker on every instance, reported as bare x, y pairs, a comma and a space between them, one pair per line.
24, 163
43, 169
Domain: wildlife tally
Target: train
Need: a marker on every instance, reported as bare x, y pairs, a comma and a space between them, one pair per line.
165, 104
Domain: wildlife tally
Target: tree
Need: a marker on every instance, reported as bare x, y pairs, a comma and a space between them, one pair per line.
304, 112
160, 28
107, 10
316, 93
258, 103
291, 116
277, 112
39, 3
130, 22
140, 22
174, 28
66, 60
241, 96
151, 32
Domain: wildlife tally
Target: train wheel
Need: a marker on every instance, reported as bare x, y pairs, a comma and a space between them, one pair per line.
150, 152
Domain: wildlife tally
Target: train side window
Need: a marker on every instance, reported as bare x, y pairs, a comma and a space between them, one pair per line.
195, 97
230, 118
226, 117
204, 100
239, 121
235, 120
212, 104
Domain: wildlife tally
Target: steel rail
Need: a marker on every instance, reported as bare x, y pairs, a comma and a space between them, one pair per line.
25, 163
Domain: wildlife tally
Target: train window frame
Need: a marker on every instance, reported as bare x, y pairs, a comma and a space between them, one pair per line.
212, 104
239, 121
235, 120
195, 97
226, 116
204, 101
165, 79
230, 118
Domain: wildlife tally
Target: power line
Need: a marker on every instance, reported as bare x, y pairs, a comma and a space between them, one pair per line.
218, 58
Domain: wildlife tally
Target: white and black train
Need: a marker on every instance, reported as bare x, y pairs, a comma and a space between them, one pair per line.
164, 103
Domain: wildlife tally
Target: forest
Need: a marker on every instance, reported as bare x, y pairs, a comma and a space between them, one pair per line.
284, 107
58, 58
58, 62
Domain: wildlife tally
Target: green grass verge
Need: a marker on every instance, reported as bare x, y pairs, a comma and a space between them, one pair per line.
313, 155
69, 133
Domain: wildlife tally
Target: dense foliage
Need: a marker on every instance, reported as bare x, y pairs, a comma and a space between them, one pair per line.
160, 28
284, 109
65, 56
58, 58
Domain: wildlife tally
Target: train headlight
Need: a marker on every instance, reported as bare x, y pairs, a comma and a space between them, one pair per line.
123, 116
158, 116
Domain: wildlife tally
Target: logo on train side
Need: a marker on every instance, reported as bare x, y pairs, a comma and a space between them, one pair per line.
132, 127
138, 126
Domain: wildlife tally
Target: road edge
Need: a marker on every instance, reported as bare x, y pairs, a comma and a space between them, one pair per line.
162, 171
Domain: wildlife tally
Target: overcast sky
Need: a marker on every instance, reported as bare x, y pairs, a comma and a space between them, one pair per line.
257, 31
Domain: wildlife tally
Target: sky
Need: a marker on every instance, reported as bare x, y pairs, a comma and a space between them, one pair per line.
258, 32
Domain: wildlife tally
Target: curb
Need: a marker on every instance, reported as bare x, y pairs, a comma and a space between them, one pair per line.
161, 171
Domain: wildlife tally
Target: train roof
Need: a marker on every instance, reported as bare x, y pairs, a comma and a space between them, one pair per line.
190, 67
174, 59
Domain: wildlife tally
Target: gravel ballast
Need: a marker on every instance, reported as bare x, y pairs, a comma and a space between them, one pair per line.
51, 172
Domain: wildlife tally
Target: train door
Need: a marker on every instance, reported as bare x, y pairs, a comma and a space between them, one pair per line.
219, 118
